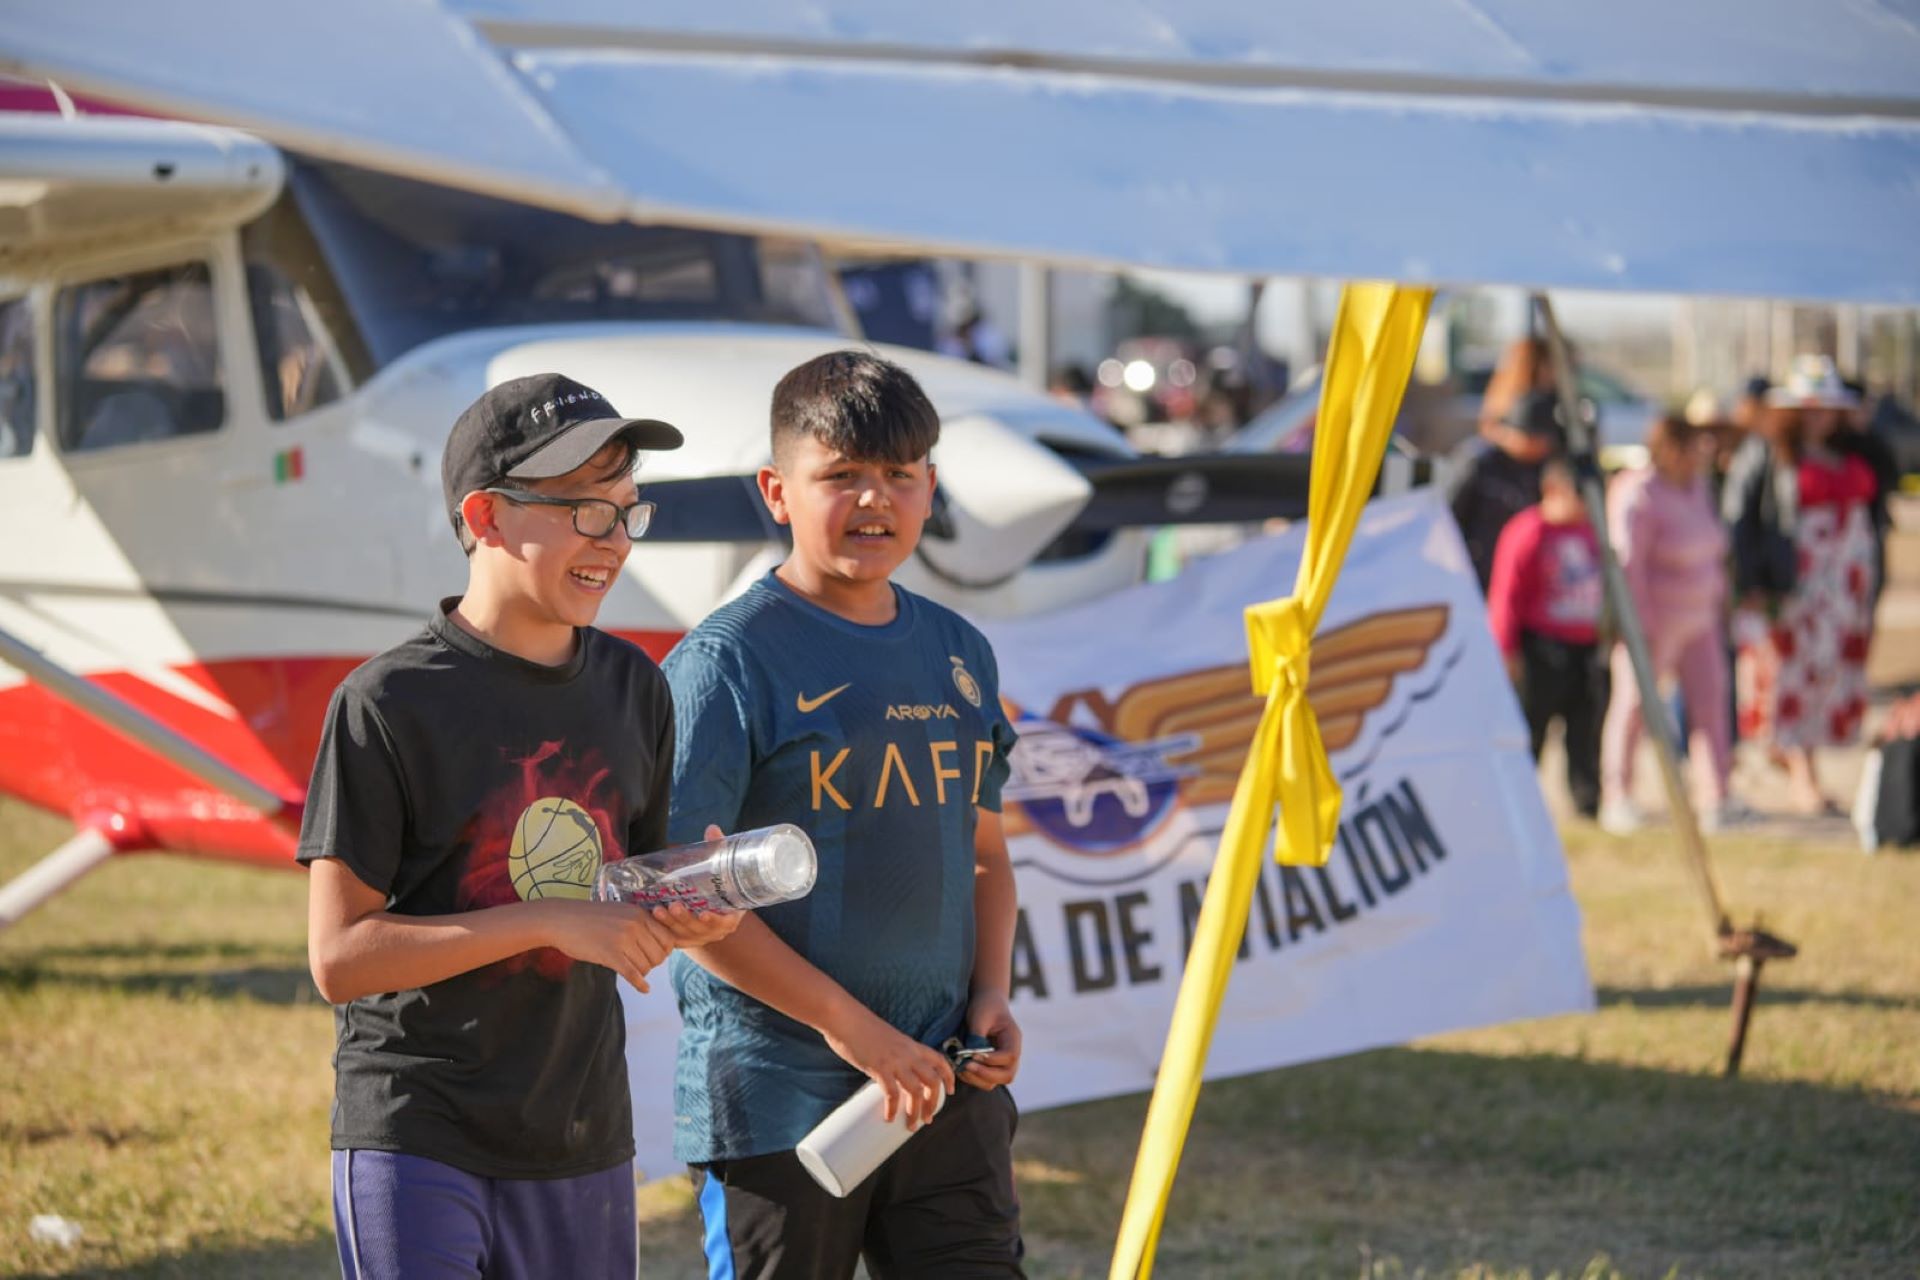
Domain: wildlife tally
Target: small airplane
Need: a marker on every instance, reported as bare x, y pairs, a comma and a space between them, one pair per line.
229, 351
225, 375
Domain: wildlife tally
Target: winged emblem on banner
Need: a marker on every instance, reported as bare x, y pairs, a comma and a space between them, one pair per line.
1354, 669
1185, 737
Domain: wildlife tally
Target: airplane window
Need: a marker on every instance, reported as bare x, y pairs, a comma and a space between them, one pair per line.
795, 280
416, 262
681, 272
296, 369
16, 378
139, 360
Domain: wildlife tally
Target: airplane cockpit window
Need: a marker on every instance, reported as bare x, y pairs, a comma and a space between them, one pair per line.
297, 371
17, 400
138, 358
416, 262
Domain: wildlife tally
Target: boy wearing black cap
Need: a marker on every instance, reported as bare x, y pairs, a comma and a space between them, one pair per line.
468, 785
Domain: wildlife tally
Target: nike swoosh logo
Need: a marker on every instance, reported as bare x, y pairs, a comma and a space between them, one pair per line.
804, 704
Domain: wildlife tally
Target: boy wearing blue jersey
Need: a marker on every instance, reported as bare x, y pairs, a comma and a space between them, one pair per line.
828, 697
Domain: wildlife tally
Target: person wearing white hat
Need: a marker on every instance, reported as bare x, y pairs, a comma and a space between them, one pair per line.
1812, 382
1803, 569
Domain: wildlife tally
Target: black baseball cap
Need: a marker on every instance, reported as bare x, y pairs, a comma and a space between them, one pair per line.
532, 428
1537, 413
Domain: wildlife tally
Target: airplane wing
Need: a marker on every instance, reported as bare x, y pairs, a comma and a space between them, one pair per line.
65, 189
1762, 147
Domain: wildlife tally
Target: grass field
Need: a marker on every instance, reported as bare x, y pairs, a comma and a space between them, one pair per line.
164, 1083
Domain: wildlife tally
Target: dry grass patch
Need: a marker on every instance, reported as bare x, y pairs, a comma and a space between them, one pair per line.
163, 1081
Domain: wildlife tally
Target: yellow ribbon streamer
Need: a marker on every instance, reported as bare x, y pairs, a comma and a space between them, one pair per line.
1375, 337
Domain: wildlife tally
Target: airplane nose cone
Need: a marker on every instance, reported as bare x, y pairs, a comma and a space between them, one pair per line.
1007, 498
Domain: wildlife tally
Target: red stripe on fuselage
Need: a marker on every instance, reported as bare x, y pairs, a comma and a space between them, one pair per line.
57, 757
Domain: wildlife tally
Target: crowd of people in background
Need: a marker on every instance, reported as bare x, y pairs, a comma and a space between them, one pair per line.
1752, 544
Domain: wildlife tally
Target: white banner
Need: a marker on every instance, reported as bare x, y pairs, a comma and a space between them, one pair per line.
1445, 904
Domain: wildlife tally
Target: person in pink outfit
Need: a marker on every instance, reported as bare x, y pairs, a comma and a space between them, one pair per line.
1543, 603
1673, 551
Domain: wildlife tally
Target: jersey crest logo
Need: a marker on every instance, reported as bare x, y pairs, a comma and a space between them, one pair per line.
803, 704
963, 681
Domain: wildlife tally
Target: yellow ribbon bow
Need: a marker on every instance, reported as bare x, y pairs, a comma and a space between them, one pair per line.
1375, 337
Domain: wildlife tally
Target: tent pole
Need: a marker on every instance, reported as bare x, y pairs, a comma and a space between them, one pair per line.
1846, 339
1758, 351
1784, 343
1684, 374
1750, 948
1903, 383
1036, 324
1626, 621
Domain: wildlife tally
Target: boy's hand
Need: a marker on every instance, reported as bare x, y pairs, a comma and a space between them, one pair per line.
695, 928
615, 935
911, 1075
989, 1015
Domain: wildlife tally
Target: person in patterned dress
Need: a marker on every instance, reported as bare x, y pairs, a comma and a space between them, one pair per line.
1805, 617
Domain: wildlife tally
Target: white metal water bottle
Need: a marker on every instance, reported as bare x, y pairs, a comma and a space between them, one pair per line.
733, 873
842, 1151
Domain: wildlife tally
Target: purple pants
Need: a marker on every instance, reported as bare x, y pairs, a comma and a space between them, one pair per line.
399, 1217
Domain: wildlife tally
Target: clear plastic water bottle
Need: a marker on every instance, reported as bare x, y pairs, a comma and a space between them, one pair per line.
734, 873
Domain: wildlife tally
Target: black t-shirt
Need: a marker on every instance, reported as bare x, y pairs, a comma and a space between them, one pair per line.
451, 777
1494, 487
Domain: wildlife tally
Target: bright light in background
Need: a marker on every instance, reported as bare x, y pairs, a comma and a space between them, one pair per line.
1138, 375
1661, 345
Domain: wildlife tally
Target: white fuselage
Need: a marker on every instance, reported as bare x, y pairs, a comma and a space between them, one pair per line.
217, 546
220, 462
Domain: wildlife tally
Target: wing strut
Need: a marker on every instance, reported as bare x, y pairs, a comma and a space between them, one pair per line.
93, 845
88, 848
1750, 948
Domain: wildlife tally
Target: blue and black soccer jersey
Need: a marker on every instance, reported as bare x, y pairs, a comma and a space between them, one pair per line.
879, 742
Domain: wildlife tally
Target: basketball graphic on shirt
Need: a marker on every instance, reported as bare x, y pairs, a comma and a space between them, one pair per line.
555, 851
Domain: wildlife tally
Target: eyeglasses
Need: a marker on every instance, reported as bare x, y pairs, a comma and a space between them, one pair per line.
592, 517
